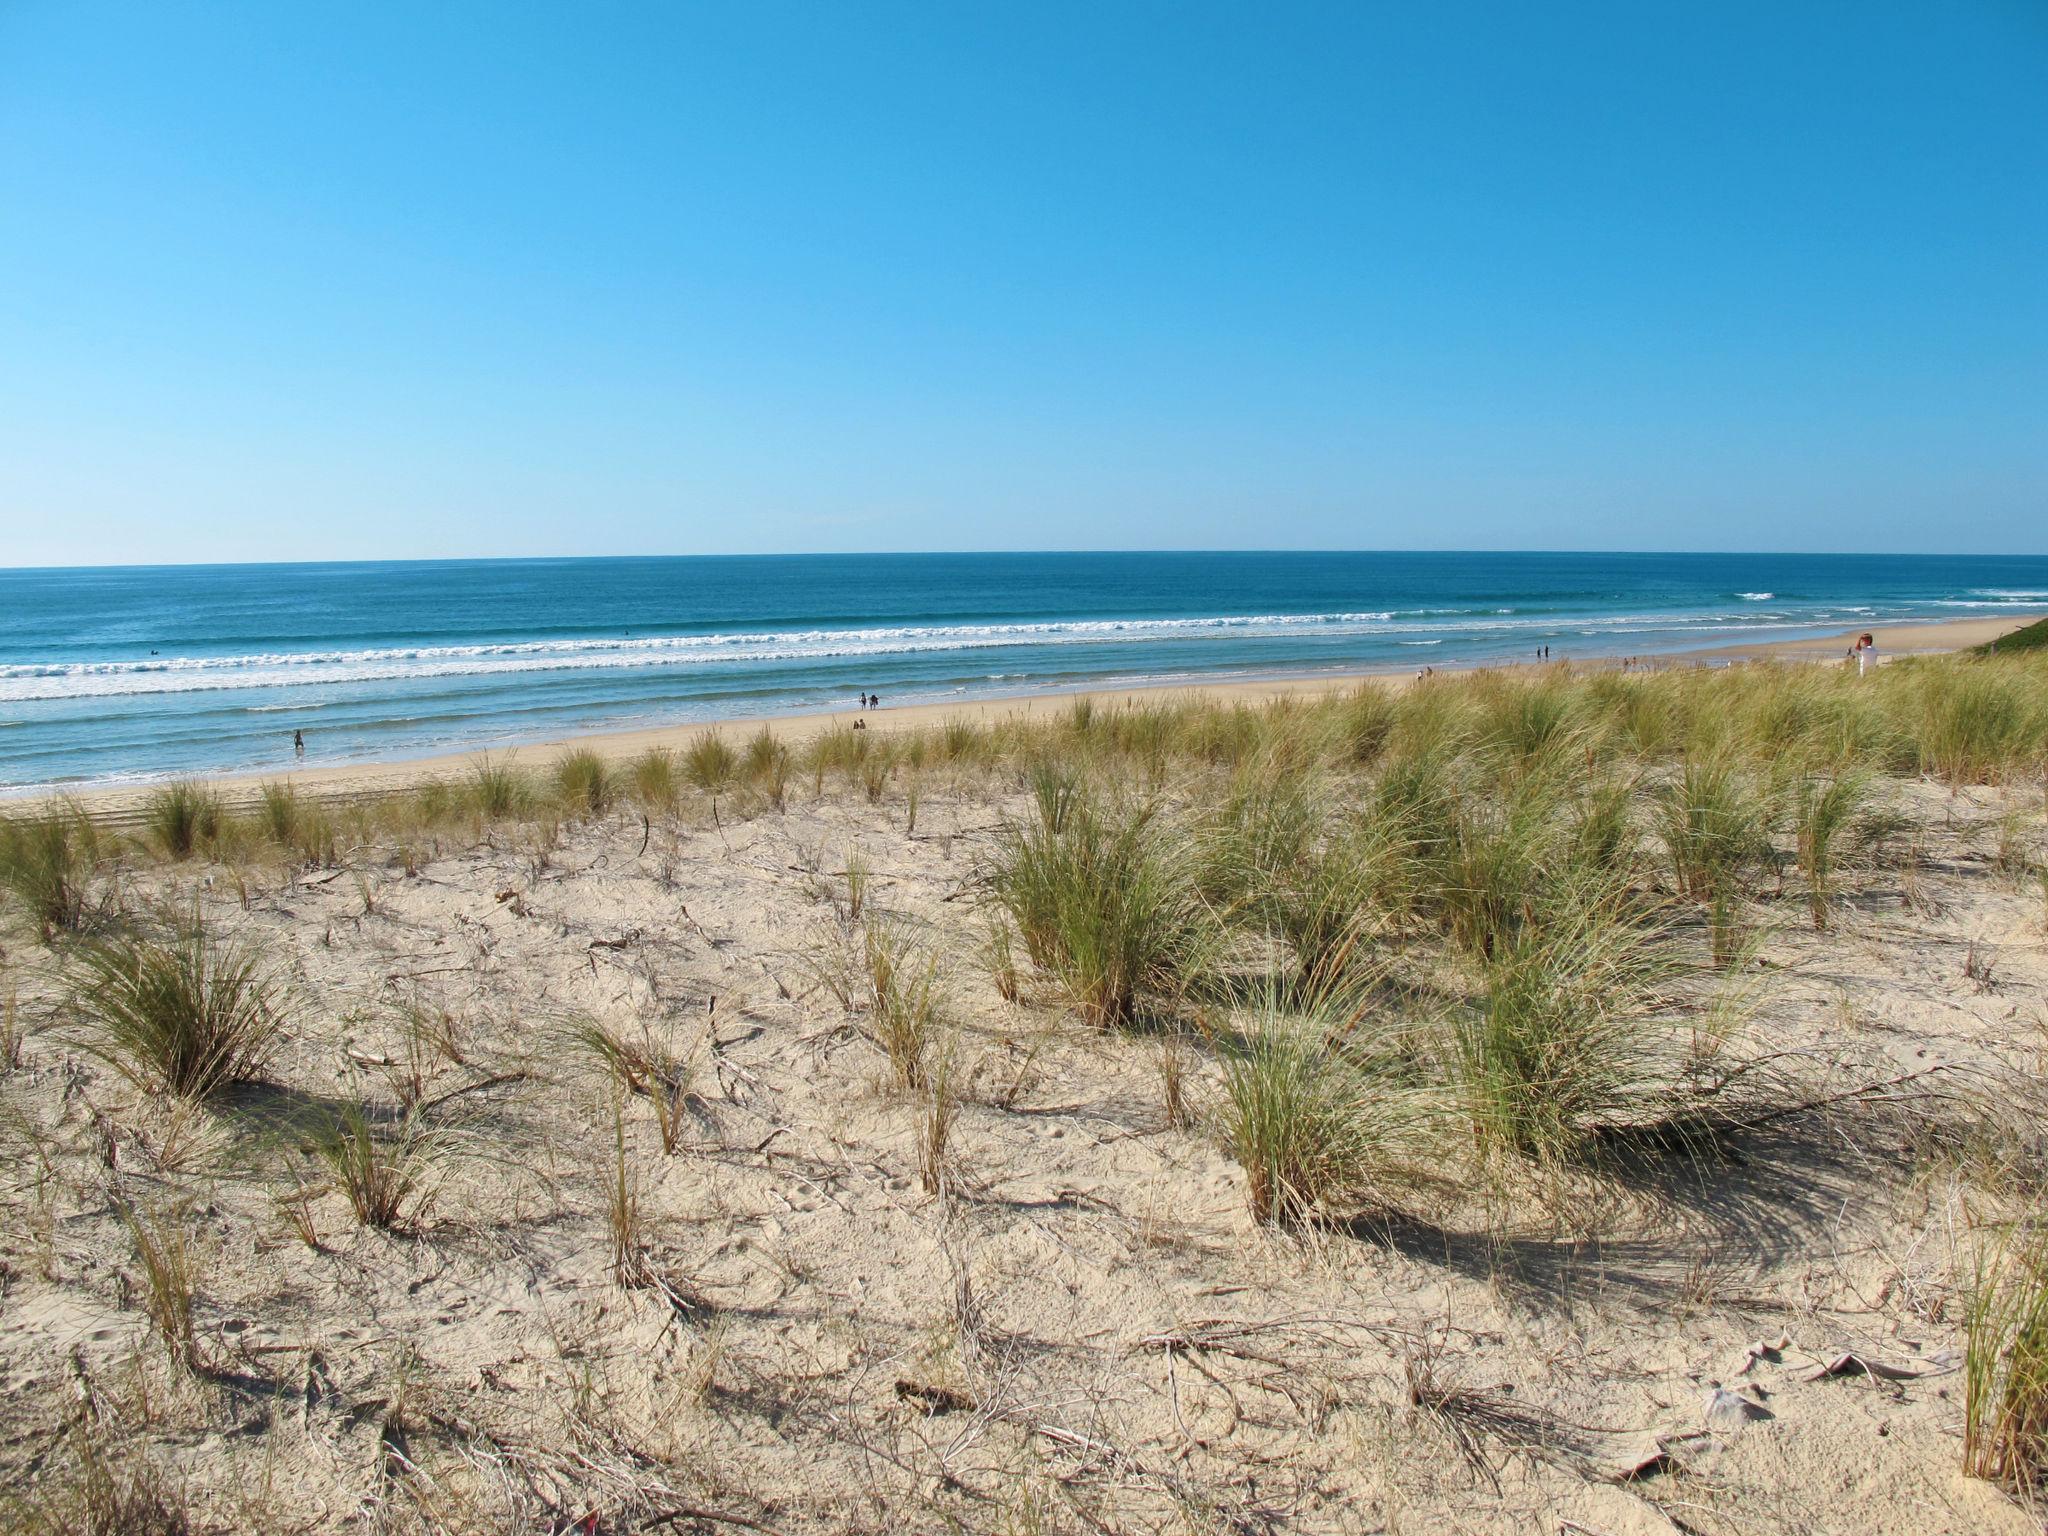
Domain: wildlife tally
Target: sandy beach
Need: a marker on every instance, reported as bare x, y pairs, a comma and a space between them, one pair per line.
355, 779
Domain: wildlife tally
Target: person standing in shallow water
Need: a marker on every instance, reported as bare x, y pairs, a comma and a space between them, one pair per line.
298, 743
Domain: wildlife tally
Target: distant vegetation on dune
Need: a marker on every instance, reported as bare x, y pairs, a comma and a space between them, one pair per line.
2032, 638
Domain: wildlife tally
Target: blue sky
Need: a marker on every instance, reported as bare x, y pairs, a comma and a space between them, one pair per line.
363, 280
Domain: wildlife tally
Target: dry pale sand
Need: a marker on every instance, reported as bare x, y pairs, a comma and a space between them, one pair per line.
1089, 1335
371, 778
1892, 640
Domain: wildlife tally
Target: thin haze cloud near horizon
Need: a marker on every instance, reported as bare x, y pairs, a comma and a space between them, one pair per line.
386, 282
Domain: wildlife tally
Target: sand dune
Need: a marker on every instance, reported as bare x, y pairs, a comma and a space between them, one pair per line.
1066, 1319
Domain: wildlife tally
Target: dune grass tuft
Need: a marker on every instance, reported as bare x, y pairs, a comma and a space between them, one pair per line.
904, 1001
1716, 823
187, 1016
47, 863
299, 826
389, 1174
498, 790
584, 783
1307, 1123
653, 774
1104, 900
181, 818
2005, 1365
711, 764
1826, 812
164, 1251
1503, 857
1554, 1042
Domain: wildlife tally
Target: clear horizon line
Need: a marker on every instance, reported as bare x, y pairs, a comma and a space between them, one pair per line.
874, 554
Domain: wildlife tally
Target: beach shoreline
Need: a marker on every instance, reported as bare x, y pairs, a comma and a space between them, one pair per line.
373, 777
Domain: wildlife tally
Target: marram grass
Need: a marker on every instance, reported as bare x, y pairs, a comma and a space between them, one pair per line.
47, 864
186, 1016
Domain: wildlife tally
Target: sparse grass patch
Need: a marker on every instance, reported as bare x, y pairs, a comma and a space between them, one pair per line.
1476, 1420
938, 1110
642, 1067
13, 1033
428, 1041
163, 1249
1174, 1099
999, 957
857, 880
88, 1492
389, 1174
903, 1001
622, 1214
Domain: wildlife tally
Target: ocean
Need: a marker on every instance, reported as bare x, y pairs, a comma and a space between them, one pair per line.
120, 675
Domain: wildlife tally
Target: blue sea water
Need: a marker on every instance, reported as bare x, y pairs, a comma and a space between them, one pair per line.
120, 675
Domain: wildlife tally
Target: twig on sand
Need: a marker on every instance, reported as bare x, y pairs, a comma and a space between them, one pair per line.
716, 1516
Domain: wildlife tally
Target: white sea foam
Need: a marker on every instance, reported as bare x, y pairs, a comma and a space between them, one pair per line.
1756, 597
54, 680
